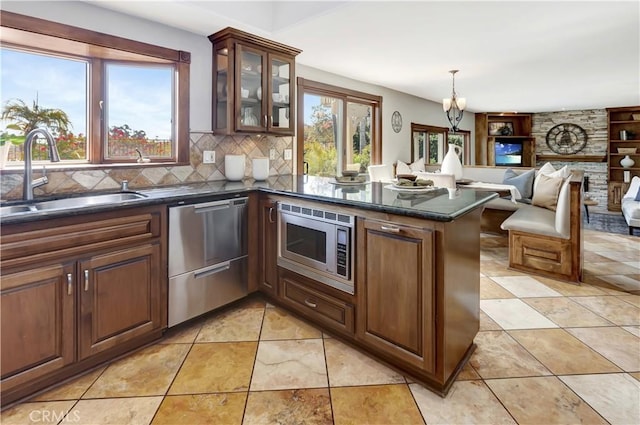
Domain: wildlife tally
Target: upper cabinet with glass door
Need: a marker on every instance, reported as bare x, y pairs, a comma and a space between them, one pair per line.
253, 84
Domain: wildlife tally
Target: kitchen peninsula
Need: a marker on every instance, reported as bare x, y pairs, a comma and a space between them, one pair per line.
410, 260
416, 271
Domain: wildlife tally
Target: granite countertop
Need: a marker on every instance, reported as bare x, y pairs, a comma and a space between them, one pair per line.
434, 204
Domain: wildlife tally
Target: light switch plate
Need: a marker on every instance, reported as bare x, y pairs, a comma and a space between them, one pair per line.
288, 154
209, 157
272, 154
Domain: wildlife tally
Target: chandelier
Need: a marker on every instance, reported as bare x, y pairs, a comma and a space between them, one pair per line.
454, 106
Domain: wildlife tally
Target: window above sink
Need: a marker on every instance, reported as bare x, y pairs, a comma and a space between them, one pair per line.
106, 99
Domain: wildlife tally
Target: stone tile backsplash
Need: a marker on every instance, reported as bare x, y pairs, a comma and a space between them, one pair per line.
83, 180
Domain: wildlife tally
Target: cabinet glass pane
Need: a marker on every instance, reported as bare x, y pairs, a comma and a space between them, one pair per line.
250, 88
280, 97
222, 84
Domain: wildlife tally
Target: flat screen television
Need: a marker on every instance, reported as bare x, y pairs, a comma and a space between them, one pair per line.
508, 153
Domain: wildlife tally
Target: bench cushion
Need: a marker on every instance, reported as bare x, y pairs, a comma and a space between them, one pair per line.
532, 219
504, 204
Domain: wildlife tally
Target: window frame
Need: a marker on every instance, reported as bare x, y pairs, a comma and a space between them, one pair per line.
466, 135
30, 34
466, 141
345, 95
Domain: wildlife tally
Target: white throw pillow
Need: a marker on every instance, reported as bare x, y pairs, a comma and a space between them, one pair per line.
402, 168
417, 165
548, 170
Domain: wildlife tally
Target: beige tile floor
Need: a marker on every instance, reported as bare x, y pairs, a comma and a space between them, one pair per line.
548, 353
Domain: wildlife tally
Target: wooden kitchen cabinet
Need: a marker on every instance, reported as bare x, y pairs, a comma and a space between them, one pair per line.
268, 276
77, 291
316, 302
395, 287
37, 323
120, 294
253, 83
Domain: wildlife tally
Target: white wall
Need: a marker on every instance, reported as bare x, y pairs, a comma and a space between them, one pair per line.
413, 109
394, 145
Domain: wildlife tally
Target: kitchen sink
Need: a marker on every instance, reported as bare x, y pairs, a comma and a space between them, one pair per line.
68, 203
15, 209
86, 201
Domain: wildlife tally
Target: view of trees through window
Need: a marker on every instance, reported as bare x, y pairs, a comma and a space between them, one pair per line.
41, 90
429, 142
337, 133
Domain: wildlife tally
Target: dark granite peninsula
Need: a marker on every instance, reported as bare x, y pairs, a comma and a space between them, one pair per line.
403, 285
412, 299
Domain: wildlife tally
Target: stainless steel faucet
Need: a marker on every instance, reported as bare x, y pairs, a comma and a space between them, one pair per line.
29, 183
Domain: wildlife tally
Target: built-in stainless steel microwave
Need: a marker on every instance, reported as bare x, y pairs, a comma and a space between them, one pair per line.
317, 243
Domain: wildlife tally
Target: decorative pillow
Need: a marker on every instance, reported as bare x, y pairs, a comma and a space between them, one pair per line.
417, 165
402, 168
637, 198
548, 170
523, 182
546, 192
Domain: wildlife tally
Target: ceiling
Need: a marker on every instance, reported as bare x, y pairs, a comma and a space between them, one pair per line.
519, 56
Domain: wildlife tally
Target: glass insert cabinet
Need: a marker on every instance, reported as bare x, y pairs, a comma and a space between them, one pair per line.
253, 83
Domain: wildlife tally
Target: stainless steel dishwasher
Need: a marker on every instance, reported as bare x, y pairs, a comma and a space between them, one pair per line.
207, 257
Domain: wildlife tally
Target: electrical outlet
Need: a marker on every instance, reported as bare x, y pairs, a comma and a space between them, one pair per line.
209, 157
288, 154
272, 154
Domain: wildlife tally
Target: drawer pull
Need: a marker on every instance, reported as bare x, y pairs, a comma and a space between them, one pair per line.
86, 280
69, 284
310, 303
393, 229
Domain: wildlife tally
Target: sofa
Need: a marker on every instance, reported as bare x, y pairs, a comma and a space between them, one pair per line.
631, 205
544, 238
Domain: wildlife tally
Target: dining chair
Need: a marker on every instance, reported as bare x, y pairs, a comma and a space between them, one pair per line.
380, 173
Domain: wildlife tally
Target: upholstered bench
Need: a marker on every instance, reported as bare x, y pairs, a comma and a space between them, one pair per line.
548, 242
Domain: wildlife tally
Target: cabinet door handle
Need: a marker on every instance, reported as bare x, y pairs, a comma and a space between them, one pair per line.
86, 280
393, 229
271, 215
69, 284
266, 120
268, 285
310, 303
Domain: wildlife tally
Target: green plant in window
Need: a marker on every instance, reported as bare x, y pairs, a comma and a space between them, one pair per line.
23, 118
322, 159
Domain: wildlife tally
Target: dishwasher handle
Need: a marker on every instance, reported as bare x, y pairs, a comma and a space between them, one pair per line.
212, 270
219, 205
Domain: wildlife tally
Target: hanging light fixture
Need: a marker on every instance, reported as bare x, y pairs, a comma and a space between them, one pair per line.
454, 106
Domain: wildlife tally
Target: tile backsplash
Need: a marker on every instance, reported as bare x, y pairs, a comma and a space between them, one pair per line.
83, 180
